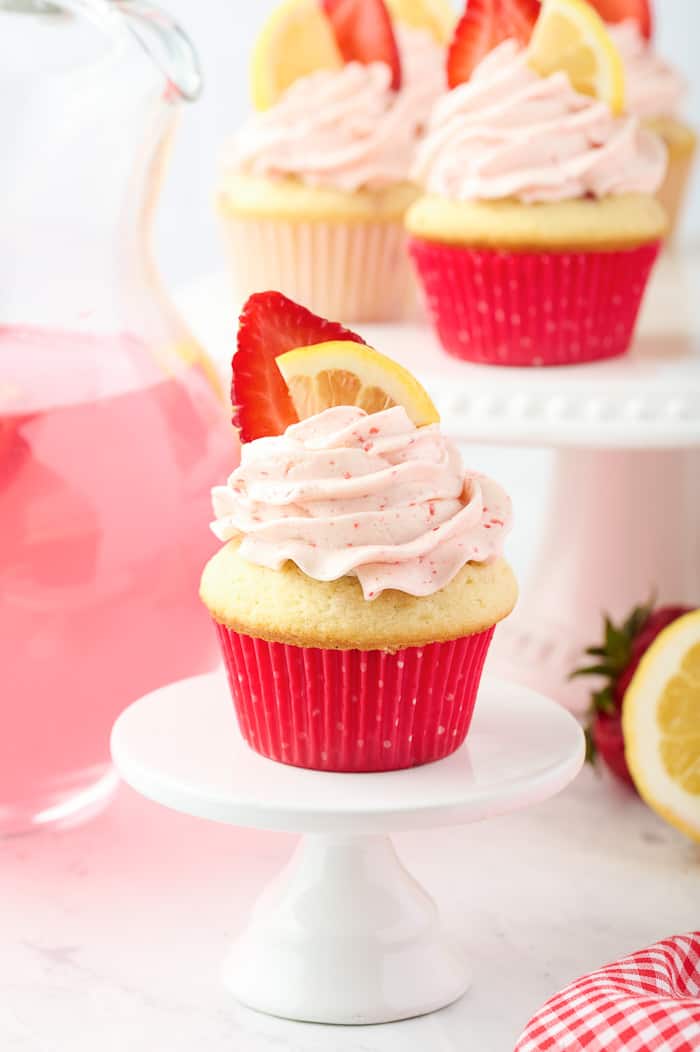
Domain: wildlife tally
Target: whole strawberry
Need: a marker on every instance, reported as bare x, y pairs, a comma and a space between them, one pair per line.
617, 659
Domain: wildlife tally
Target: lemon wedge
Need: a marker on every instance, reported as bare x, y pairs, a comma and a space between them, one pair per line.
435, 16
661, 725
297, 39
571, 36
346, 373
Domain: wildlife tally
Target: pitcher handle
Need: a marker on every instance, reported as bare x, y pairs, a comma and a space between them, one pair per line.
166, 43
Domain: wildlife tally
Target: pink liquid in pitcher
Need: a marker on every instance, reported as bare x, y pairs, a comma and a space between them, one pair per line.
107, 457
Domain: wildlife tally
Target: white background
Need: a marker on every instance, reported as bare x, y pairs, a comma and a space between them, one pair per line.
223, 30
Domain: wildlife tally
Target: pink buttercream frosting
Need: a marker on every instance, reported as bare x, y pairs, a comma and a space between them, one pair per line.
423, 72
509, 132
652, 87
372, 496
345, 129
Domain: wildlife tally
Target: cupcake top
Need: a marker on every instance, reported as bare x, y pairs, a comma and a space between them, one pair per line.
345, 128
510, 133
653, 88
371, 496
342, 90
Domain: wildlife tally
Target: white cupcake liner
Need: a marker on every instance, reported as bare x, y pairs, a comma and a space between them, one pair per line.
355, 272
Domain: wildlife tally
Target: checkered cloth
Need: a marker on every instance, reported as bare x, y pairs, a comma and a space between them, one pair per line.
649, 1002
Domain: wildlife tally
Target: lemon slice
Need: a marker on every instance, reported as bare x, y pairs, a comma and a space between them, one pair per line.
346, 373
570, 36
297, 39
435, 16
661, 724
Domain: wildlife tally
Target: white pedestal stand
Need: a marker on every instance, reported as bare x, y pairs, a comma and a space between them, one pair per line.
344, 934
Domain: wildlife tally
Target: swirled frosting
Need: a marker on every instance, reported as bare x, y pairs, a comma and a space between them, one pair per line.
508, 132
344, 128
653, 88
347, 493
423, 72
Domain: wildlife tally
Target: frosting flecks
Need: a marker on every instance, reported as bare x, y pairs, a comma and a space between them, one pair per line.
509, 133
347, 493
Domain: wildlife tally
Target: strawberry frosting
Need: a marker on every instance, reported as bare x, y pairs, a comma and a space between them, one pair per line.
510, 133
372, 496
652, 87
423, 72
345, 129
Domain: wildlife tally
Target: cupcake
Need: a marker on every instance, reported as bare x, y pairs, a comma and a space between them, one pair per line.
362, 573
315, 186
655, 92
539, 227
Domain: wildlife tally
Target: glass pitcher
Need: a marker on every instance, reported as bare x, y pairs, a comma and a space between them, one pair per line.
113, 425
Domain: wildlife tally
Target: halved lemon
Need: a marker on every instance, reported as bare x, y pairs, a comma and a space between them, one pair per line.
570, 36
436, 16
346, 373
661, 724
297, 39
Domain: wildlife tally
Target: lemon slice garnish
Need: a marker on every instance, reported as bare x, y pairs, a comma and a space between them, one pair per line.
570, 36
297, 39
346, 373
661, 724
436, 16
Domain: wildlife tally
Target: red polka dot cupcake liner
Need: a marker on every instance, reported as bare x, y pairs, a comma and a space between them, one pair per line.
499, 307
354, 710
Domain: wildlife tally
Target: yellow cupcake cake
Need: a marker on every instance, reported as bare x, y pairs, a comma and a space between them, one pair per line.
315, 186
538, 227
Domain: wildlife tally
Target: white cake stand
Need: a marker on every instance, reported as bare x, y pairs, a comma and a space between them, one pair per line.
344, 934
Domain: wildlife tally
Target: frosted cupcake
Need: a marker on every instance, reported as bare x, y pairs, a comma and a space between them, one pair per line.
316, 184
655, 92
539, 227
362, 575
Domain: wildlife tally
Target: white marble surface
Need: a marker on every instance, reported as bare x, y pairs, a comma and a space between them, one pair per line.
113, 933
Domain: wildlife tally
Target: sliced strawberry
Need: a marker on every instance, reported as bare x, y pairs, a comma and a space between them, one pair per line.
484, 25
609, 744
619, 10
364, 33
270, 325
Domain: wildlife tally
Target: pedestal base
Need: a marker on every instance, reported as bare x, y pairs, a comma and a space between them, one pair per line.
345, 935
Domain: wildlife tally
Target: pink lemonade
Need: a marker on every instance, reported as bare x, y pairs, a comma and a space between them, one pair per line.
107, 456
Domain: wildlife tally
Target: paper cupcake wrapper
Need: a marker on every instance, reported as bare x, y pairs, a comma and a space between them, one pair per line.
354, 710
348, 271
533, 308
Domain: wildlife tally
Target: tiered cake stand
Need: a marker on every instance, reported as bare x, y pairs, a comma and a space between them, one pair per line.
344, 934
623, 520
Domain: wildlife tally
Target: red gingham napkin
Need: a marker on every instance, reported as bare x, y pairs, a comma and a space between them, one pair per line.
648, 1002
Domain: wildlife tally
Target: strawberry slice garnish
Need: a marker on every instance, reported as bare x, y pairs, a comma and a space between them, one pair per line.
613, 11
364, 33
617, 658
484, 25
270, 325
